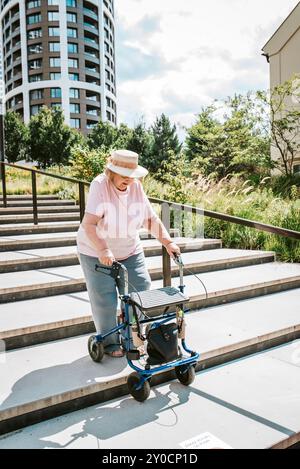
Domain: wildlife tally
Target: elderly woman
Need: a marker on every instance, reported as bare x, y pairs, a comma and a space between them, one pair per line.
116, 209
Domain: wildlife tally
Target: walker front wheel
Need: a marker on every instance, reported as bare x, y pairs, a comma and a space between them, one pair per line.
96, 349
185, 375
140, 394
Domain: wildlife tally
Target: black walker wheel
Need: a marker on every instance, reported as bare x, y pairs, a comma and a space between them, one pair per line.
133, 381
185, 375
96, 349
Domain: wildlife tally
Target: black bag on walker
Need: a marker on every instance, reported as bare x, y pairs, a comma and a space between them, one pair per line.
162, 343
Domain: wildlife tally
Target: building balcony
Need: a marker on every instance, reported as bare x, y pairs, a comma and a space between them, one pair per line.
92, 81
90, 13
15, 16
93, 99
91, 125
93, 113
91, 42
92, 57
91, 27
18, 83
15, 32
92, 73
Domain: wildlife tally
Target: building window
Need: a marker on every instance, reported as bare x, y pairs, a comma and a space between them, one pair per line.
35, 49
54, 46
54, 62
35, 109
71, 3
53, 16
33, 4
74, 93
53, 2
74, 76
32, 19
75, 108
55, 92
53, 31
55, 105
71, 18
72, 48
55, 76
72, 32
34, 33
37, 77
37, 94
73, 63
35, 64
297, 169
75, 123
91, 124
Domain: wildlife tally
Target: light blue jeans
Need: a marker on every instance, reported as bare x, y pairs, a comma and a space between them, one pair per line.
103, 292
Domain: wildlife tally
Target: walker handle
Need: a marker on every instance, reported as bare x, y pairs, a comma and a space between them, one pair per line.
114, 269
178, 260
115, 273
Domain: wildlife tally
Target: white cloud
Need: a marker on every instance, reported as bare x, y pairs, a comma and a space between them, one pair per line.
175, 56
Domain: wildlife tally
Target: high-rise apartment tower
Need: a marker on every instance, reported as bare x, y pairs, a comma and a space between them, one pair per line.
60, 53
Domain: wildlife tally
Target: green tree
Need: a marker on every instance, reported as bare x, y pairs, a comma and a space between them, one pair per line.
164, 139
247, 139
86, 164
173, 173
284, 110
106, 137
50, 139
103, 135
235, 143
16, 137
123, 135
140, 142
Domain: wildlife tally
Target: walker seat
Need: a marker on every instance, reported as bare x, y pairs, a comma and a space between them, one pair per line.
154, 301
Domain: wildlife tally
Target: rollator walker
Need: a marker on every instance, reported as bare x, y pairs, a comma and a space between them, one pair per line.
149, 327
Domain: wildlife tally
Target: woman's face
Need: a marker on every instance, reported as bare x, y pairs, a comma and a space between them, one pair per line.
122, 182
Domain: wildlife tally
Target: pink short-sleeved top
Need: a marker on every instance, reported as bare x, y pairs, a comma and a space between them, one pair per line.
121, 214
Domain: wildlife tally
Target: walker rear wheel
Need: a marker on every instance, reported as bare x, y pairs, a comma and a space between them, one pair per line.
96, 349
185, 375
133, 382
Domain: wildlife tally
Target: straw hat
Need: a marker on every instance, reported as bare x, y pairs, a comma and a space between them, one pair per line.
125, 163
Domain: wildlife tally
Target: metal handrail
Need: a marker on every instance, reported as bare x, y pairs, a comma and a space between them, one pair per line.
232, 219
34, 172
57, 176
165, 213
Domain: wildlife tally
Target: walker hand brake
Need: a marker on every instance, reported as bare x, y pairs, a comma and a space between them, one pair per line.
114, 269
178, 260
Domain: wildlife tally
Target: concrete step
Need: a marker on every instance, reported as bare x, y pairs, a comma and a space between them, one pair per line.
30, 229
60, 235
29, 260
40, 203
46, 380
247, 404
22, 323
186, 244
17, 219
4, 212
16, 286
29, 197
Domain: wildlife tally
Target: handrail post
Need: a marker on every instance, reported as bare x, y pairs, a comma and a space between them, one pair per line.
34, 198
81, 200
166, 260
3, 177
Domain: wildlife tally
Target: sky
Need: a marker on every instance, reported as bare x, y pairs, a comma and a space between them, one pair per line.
175, 56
